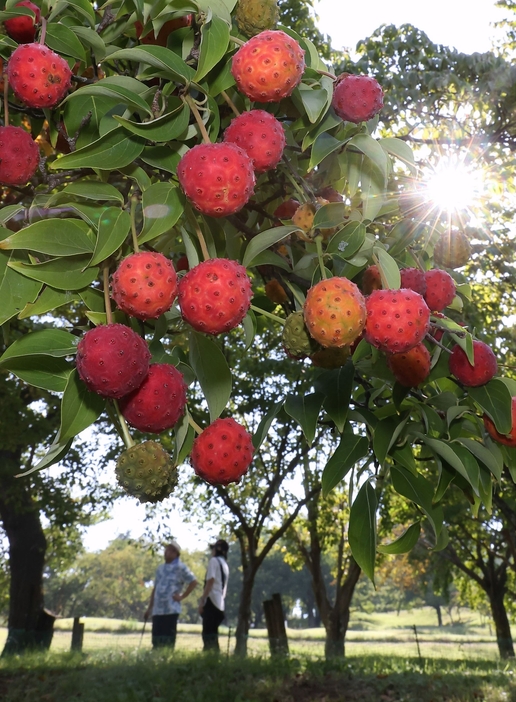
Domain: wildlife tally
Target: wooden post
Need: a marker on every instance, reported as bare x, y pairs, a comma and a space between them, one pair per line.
275, 621
77, 634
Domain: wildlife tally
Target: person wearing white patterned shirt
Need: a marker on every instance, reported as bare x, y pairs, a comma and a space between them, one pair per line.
168, 592
212, 601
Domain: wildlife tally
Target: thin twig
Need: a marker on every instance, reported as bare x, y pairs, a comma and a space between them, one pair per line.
202, 128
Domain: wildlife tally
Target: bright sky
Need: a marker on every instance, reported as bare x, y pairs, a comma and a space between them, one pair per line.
459, 23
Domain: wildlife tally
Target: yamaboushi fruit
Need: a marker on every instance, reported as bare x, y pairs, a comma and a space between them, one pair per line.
297, 341
146, 471
481, 372
23, 29
223, 452
506, 439
357, 98
413, 278
397, 320
19, 156
335, 312
440, 289
260, 135
412, 367
38, 76
255, 16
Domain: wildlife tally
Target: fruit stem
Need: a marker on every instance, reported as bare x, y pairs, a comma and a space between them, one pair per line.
433, 340
230, 102
325, 73
236, 40
124, 429
194, 424
107, 299
200, 235
134, 234
268, 314
43, 34
193, 107
318, 244
298, 182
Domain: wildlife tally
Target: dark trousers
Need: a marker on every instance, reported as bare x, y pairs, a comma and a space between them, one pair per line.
212, 617
164, 629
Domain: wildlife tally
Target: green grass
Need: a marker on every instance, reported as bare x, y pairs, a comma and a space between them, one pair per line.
161, 676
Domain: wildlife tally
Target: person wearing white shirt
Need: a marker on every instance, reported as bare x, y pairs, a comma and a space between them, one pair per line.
212, 601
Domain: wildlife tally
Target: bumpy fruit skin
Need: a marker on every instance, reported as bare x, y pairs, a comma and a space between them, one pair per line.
397, 320
159, 402
218, 178
452, 250
268, 67
371, 280
506, 439
260, 135
440, 289
215, 295
255, 16
19, 156
413, 278
357, 98
23, 29
335, 312
412, 367
146, 471
38, 76
222, 453
330, 358
296, 339
144, 285
482, 372
112, 360
161, 38
287, 209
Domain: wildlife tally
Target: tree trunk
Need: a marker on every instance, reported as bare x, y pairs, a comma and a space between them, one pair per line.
439, 615
338, 620
501, 622
27, 545
244, 611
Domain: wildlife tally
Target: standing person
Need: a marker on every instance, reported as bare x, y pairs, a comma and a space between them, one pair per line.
167, 594
212, 602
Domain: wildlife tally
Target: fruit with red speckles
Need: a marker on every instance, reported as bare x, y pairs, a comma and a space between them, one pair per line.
23, 28
144, 285
260, 135
112, 360
19, 156
452, 249
222, 453
397, 320
268, 67
215, 295
413, 278
484, 369
38, 76
371, 280
506, 439
166, 30
412, 367
357, 98
440, 289
159, 402
287, 209
146, 471
335, 312
218, 178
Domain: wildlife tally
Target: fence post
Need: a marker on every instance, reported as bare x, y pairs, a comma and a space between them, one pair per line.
275, 621
77, 634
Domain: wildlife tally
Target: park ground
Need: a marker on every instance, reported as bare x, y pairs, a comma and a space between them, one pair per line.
455, 663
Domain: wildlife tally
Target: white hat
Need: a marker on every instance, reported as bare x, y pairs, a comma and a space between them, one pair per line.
175, 545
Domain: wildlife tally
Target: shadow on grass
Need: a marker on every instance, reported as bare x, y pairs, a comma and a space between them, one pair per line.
175, 676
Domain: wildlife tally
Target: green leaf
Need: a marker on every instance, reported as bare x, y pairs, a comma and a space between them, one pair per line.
305, 410
54, 237
352, 448
419, 490
404, 543
214, 42
330, 215
55, 453
452, 458
492, 462
185, 435
92, 40
63, 40
313, 101
263, 240
372, 190
165, 128
82, 7
79, 408
371, 148
162, 207
389, 271
49, 300
221, 8
265, 424
60, 273
114, 226
41, 371
87, 190
115, 149
47, 342
385, 436
401, 150
496, 401
323, 146
124, 90
362, 529
348, 241
167, 62
212, 371
336, 386
16, 290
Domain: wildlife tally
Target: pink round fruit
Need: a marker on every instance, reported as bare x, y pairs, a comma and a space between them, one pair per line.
38, 76
269, 66
112, 360
215, 295
506, 439
19, 156
412, 367
357, 98
144, 285
371, 280
413, 278
287, 209
440, 289
483, 370
222, 453
159, 402
218, 178
397, 320
23, 29
260, 135
335, 312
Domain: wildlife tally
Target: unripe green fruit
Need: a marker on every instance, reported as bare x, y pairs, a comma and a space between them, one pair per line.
452, 250
146, 471
297, 341
255, 16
